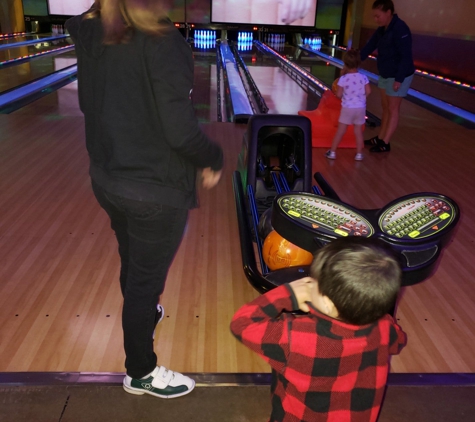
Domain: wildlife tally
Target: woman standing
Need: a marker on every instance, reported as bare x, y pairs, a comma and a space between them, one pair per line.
135, 76
393, 40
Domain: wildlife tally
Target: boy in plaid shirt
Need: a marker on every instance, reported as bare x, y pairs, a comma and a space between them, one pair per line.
331, 363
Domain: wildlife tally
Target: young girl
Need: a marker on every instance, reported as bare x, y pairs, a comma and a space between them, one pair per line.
353, 88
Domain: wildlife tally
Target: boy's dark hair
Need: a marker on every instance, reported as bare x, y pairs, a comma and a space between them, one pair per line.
384, 5
361, 276
352, 59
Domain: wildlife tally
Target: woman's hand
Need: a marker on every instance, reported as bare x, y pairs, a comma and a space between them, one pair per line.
210, 178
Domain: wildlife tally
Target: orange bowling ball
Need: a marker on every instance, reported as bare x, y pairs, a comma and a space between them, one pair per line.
278, 252
335, 85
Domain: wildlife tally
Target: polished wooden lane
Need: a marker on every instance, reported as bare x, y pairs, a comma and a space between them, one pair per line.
59, 297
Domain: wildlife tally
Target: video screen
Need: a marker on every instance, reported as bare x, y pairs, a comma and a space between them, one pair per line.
329, 14
196, 11
265, 12
68, 7
35, 8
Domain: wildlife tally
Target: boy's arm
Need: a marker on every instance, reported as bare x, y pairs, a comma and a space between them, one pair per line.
397, 339
261, 326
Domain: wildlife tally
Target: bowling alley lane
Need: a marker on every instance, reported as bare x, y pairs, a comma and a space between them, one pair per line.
282, 94
58, 104
22, 38
27, 50
452, 94
45, 163
13, 76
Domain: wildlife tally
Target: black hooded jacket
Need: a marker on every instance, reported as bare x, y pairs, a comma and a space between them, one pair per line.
142, 135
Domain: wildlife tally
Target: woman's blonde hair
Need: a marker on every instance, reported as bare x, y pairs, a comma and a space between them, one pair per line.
120, 17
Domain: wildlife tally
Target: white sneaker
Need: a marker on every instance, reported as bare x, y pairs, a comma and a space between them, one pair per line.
359, 157
330, 154
161, 383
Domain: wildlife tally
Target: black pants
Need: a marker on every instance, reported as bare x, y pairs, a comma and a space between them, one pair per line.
149, 236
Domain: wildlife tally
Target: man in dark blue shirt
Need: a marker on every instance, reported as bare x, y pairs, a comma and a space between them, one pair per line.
393, 40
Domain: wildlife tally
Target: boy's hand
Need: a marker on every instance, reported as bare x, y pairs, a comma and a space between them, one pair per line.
303, 291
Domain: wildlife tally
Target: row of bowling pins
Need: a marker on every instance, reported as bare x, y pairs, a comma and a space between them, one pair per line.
57, 29
204, 43
244, 45
313, 42
201, 34
274, 38
245, 36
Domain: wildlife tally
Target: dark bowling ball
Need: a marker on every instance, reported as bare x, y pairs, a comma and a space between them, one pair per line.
265, 227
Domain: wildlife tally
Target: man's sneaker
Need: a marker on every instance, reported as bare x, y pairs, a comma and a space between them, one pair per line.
371, 141
359, 157
330, 154
381, 147
161, 383
160, 314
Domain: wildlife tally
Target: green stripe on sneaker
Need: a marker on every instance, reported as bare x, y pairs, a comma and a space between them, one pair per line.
146, 385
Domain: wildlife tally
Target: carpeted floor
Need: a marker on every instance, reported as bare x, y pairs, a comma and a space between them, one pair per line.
91, 403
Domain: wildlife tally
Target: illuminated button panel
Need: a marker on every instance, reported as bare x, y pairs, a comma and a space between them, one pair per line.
417, 218
320, 213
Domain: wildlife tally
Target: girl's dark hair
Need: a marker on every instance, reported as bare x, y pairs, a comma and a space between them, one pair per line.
384, 5
352, 59
361, 276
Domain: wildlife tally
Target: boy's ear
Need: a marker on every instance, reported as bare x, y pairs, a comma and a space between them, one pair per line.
330, 308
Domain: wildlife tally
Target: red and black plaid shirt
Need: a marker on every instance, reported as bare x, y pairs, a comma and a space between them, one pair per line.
323, 369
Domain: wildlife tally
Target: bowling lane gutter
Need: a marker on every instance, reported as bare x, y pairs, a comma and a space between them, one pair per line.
456, 114
241, 107
17, 60
35, 41
18, 97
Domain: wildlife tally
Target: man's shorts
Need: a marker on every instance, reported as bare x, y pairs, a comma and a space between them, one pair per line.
352, 116
387, 85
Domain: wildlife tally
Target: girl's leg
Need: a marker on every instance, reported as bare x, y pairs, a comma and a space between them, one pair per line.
359, 138
338, 135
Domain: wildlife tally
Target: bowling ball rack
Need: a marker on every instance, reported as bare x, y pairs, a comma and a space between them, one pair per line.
417, 226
